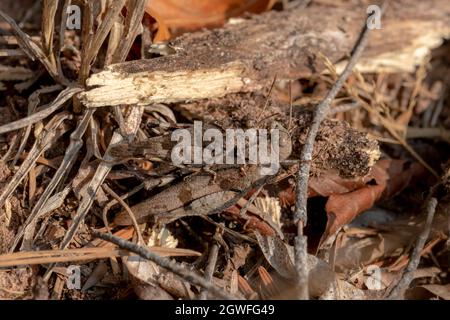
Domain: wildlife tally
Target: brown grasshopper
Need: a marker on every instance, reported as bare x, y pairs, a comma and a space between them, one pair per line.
202, 193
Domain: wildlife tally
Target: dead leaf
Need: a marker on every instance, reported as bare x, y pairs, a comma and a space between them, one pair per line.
343, 208
189, 15
390, 177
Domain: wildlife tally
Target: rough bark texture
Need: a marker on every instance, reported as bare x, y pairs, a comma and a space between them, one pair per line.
245, 55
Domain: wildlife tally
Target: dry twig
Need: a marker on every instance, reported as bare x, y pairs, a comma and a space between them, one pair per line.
320, 113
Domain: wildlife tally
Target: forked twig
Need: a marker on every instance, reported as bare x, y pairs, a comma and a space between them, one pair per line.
320, 112
167, 264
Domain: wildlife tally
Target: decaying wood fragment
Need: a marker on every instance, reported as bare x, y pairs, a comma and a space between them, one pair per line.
245, 55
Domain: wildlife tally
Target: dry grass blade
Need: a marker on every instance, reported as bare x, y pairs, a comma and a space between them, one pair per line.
102, 33
133, 26
50, 256
33, 102
53, 256
53, 131
127, 209
62, 98
209, 271
131, 125
31, 48
87, 37
70, 156
49, 8
62, 33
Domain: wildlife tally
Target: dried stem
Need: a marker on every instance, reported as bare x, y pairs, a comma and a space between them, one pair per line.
211, 266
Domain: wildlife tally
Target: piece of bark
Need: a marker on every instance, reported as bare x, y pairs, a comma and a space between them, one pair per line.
245, 55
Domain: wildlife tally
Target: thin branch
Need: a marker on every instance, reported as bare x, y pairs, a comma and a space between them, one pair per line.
170, 265
320, 112
401, 286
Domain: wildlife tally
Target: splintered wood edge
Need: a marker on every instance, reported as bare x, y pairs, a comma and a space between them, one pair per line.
145, 88
425, 36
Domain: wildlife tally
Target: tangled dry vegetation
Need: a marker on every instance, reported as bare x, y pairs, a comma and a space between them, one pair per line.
86, 177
